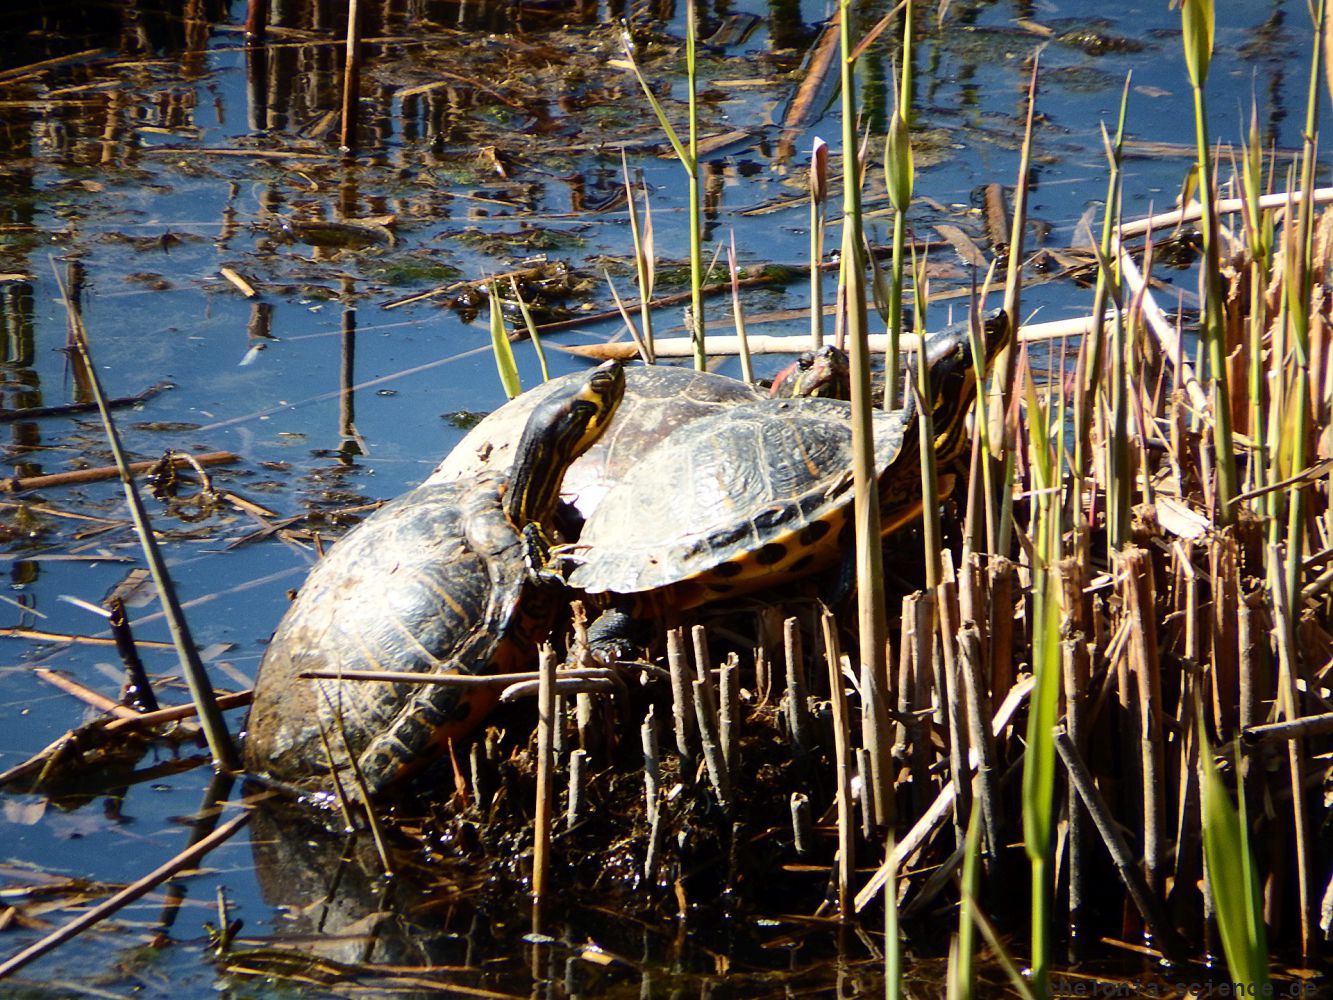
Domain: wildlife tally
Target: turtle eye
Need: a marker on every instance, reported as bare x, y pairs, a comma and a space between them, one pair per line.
805, 362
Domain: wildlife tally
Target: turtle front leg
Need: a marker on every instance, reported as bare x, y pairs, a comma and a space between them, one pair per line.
537, 557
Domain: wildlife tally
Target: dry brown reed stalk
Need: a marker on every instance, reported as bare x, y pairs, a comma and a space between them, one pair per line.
797, 706
729, 714
541, 835
481, 778
351, 78
707, 717
930, 819
77, 477
921, 703
846, 862
1149, 906
682, 713
1135, 570
981, 740
954, 704
705, 711
652, 792
578, 760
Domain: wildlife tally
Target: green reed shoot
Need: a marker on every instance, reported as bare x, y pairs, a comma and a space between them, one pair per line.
688, 155
999, 521
873, 626
1197, 23
1299, 288
893, 945
531, 325
899, 175
1039, 761
962, 982
645, 260
738, 311
1259, 239
500, 346
931, 533
1231, 876
1089, 385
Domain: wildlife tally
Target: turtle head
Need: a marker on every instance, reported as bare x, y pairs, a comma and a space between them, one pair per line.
825, 372
953, 377
559, 430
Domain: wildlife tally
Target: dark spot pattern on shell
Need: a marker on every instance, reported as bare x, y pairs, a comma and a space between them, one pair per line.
813, 532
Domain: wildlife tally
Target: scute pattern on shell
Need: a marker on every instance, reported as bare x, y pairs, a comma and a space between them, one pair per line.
755, 475
439, 569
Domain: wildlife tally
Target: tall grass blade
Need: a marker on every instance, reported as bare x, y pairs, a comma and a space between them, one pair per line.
1231, 877
1039, 763
531, 324
500, 346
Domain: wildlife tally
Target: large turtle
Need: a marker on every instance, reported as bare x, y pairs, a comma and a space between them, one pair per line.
761, 493
659, 400
445, 578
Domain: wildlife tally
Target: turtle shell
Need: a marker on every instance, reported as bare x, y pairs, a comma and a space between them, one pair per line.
438, 581
434, 581
658, 400
745, 499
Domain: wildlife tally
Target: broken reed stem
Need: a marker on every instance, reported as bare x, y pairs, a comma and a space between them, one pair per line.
802, 825
866, 800
77, 477
729, 715
798, 707
938, 811
842, 754
545, 764
920, 710
981, 740
1311, 725
714, 761
578, 760
1121, 854
707, 715
458, 680
680, 701
481, 779
652, 773
138, 692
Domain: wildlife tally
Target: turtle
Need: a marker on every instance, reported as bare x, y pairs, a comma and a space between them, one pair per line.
659, 400
448, 577
760, 494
